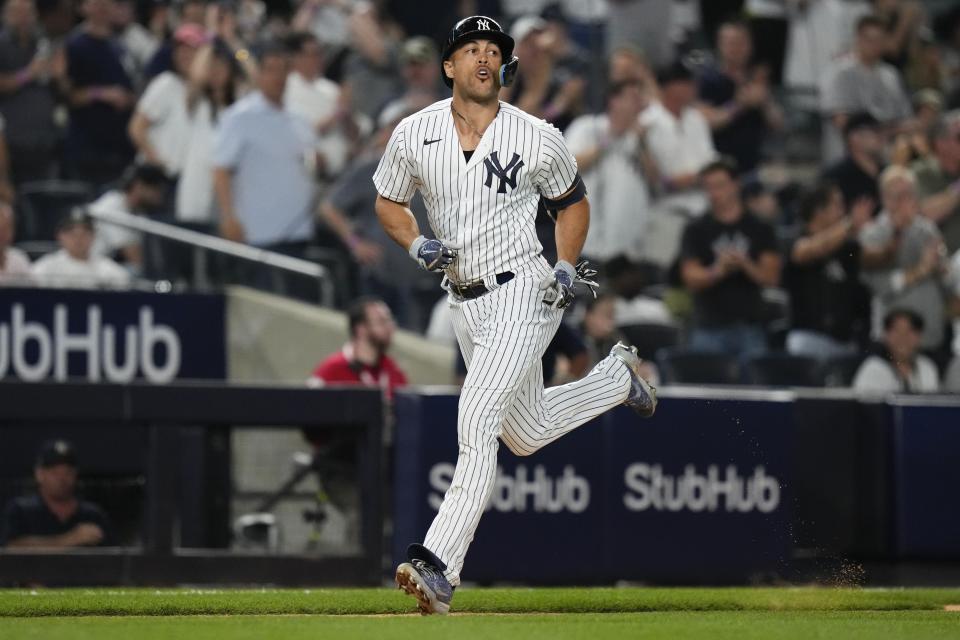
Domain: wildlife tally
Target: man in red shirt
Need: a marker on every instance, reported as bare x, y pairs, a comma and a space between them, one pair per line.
364, 360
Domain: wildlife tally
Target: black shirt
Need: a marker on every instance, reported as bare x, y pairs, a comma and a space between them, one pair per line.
29, 516
852, 181
742, 137
736, 298
827, 296
93, 61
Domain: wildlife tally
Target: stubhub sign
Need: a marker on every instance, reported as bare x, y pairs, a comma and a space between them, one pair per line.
699, 494
110, 336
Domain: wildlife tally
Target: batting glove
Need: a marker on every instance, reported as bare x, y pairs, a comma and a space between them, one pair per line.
560, 294
431, 254
585, 275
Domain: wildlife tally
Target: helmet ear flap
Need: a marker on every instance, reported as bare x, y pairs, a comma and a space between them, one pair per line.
508, 71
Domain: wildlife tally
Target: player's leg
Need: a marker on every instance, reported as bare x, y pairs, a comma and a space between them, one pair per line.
539, 416
511, 336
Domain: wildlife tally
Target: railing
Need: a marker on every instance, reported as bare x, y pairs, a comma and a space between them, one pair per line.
203, 244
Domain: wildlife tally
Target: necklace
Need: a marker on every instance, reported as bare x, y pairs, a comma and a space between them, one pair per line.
470, 124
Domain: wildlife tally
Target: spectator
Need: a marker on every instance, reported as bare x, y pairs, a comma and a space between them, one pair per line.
264, 158
6, 188
420, 69
143, 192
679, 140
328, 21
938, 180
98, 148
904, 258
160, 126
319, 101
915, 145
902, 20
610, 153
137, 41
188, 12
856, 174
831, 310
55, 518
727, 257
348, 210
863, 82
900, 367
32, 71
736, 99
543, 87
217, 79
599, 327
820, 31
371, 75
14, 264
75, 265
643, 24
364, 360
768, 29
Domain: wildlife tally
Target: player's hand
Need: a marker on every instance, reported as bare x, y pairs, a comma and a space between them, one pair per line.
560, 294
432, 254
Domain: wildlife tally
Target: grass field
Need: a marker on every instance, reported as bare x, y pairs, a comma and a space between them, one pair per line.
595, 614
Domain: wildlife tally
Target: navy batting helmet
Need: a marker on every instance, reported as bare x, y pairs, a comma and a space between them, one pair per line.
482, 28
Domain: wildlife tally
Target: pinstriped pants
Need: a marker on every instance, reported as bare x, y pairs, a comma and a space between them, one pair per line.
503, 335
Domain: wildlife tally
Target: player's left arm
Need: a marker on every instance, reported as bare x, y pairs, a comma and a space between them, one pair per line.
573, 222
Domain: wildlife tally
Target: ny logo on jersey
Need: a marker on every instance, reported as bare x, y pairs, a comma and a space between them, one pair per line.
483, 25
492, 163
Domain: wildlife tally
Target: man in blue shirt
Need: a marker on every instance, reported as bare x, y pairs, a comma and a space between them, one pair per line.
264, 162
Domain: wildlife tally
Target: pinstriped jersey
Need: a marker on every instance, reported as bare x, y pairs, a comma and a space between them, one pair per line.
485, 207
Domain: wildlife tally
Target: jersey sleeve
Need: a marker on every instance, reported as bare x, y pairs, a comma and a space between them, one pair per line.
394, 178
558, 168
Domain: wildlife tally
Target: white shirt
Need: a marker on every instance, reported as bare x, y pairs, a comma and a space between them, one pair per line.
164, 104
58, 269
195, 201
315, 101
877, 376
485, 208
619, 198
15, 269
110, 238
680, 146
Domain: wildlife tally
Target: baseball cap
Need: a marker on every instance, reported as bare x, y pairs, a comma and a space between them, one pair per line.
525, 25
192, 35
54, 452
418, 49
77, 215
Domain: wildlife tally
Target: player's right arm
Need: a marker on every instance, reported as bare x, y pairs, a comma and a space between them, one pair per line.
398, 221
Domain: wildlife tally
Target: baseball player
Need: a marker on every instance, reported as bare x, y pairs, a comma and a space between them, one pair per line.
481, 167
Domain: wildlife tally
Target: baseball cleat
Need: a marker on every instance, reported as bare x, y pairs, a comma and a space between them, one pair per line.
643, 395
424, 580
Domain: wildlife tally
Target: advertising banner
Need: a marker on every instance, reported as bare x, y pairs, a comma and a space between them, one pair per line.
698, 493
110, 336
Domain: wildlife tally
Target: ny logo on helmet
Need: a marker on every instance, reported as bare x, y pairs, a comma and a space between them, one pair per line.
493, 166
483, 25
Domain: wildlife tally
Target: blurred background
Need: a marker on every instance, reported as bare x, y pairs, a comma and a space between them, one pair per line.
215, 367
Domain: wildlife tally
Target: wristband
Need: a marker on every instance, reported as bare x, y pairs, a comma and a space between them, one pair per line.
414, 249
565, 266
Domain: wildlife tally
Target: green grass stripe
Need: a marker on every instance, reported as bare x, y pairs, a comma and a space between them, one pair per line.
672, 625
169, 602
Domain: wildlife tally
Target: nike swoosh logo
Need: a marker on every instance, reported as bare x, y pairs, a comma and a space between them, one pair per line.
429, 142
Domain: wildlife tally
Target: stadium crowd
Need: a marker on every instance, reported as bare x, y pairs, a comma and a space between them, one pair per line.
767, 177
